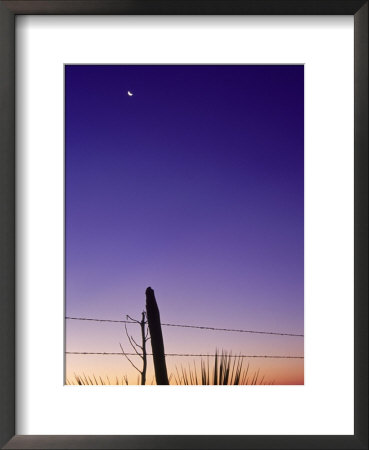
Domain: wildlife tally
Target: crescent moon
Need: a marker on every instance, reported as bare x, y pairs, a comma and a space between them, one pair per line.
129, 93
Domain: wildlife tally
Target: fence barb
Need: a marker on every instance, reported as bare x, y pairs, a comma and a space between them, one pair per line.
234, 330
189, 354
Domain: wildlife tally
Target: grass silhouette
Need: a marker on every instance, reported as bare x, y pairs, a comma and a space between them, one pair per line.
86, 380
225, 369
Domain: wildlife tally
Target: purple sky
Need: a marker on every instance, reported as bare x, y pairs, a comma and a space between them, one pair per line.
193, 186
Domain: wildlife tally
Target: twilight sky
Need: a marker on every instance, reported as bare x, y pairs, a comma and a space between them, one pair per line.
193, 186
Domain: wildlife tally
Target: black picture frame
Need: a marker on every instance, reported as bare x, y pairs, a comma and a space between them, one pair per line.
8, 11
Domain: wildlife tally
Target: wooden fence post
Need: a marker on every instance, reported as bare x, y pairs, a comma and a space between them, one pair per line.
157, 343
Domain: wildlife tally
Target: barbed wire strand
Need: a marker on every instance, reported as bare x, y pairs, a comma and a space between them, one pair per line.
100, 320
234, 330
188, 354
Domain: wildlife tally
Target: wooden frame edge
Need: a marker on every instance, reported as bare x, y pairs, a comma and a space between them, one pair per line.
8, 11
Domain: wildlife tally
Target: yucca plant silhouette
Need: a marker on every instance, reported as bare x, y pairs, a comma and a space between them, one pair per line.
226, 369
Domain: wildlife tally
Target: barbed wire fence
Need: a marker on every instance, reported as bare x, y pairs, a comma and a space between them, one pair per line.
229, 330
234, 330
182, 378
188, 354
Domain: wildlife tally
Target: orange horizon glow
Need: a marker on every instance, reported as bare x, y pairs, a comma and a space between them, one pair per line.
276, 372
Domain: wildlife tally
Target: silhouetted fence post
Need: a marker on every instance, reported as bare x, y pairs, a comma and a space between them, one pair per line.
157, 343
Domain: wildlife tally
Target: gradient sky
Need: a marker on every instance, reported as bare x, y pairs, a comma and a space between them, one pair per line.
193, 186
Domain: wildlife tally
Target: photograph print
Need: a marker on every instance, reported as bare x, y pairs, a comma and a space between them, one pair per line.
184, 224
